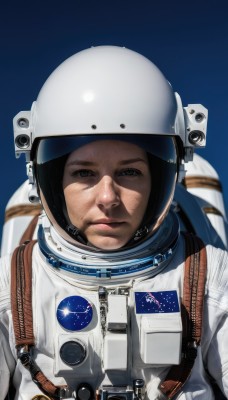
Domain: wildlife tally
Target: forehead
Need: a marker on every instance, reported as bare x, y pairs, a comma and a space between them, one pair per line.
108, 150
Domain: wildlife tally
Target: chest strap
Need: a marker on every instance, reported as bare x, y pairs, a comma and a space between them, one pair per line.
191, 311
21, 303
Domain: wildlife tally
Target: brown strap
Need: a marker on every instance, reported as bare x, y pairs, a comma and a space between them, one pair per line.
194, 283
192, 310
21, 303
28, 233
22, 210
212, 210
203, 182
21, 294
46, 385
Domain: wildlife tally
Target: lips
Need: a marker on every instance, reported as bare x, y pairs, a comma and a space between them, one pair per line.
107, 224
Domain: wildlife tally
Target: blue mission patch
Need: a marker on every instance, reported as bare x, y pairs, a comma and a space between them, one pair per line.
74, 313
157, 302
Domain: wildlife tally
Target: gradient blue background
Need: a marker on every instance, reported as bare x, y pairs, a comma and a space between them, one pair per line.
187, 40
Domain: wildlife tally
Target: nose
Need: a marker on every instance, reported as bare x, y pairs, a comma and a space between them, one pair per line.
108, 195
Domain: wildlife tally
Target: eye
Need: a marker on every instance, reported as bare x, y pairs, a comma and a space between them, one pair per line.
130, 172
82, 173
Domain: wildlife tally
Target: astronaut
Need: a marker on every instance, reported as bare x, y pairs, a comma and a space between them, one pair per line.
98, 307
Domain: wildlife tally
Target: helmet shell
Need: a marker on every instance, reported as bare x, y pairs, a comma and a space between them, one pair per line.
105, 89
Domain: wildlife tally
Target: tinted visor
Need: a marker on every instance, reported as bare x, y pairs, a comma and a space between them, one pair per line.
51, 148
52, 153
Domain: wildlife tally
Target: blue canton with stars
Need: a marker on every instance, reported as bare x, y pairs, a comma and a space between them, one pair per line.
74, 313
156, 302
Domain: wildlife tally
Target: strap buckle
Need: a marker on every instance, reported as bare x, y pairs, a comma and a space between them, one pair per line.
191, 350
25, 356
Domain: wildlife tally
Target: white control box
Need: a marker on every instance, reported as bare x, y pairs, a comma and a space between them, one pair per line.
115, 351
161, 339
117, 312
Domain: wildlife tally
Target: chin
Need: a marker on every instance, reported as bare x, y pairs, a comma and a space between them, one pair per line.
108, 243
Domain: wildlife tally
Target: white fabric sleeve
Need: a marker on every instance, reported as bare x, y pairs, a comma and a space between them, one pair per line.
7, 361
215, 322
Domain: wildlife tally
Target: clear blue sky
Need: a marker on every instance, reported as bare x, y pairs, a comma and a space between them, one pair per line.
187, 40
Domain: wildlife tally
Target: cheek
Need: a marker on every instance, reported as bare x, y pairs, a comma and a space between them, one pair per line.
68, 194
136, 202
78, 203
73, 197
142, 194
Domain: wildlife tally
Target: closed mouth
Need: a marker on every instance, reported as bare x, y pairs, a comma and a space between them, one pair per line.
107, 222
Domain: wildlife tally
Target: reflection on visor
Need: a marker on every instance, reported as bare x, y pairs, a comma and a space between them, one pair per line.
162, 147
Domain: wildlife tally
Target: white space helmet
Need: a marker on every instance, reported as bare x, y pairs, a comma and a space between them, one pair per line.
108, 92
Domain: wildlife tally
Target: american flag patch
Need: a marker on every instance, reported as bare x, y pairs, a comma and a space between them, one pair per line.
157, 302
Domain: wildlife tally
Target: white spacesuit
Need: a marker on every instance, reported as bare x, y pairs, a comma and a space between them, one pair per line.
105, 319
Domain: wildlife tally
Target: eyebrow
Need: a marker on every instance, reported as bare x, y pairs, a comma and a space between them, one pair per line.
91, 163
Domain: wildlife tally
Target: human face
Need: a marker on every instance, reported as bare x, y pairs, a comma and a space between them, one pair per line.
106, 187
